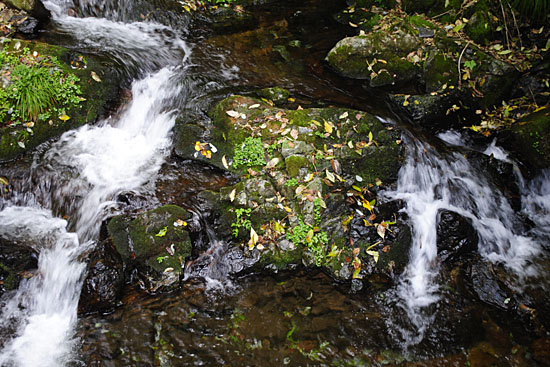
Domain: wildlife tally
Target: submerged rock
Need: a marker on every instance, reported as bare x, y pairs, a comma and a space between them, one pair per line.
156, 243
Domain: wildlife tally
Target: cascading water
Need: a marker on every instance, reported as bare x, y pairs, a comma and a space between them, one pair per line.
118, 154
430, 182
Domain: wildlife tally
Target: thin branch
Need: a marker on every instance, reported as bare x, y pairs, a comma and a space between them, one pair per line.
505, 24
459, 61
516, 24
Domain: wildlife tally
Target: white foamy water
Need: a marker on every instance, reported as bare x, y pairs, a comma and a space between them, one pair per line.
428, 183
119, 154
45, 306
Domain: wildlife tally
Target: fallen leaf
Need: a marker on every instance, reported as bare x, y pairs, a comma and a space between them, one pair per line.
224, 162
255, 105
95, 77
232, 195
381, 230
343, 116
330, 176
374, 254
233, 114
64, 117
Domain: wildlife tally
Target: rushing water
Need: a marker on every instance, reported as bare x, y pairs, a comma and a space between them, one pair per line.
118, 154
430, 182
87, 168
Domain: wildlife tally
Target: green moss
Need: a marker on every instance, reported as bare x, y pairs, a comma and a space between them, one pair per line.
480, 27
294, 163
439, 70
8, 277
275, 94
153, 235
531, 139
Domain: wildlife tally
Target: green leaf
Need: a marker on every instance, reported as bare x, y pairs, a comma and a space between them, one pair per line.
162, 232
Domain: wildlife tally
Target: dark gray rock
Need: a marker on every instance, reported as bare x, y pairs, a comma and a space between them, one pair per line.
456, 237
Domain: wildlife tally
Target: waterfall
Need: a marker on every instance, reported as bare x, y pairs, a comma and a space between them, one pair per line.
430, 182
123, 153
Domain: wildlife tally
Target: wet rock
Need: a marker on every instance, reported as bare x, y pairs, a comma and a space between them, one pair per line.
456, 237
529, 139
228, 19
277, 95
500, 173
156, 243
541, 351
16, 261
486, 286
356, 57
33, 7
102, 288
25, 24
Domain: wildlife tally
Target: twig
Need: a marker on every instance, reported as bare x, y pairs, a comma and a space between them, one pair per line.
516, 24
459, 61
442, 14
505, 24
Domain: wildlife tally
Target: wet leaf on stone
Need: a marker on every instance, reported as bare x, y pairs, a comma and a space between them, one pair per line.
330, 176
374, 254
224, 162
232, 195
233, 114
95, 76
162, 232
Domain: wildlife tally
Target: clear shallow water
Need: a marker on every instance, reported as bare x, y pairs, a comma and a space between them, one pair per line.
299, 320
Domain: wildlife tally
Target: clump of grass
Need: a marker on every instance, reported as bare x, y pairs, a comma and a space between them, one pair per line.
34, 88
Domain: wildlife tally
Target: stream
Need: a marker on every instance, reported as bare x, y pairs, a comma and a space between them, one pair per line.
67, 188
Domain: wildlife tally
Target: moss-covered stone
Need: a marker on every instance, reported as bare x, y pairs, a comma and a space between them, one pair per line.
530, 139
357, 57
275, 94
157, 242
294, 165
98, 96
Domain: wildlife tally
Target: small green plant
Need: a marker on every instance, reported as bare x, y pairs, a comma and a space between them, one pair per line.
317, 205
249, 154
291, 182
242, 221
303, 234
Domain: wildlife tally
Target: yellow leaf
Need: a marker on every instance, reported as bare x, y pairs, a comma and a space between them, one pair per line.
330, 176
64, 117
224, 162
374, 254
370, 136
198, 146
308, 178
95, 77
328, 127
232, 195
253, 239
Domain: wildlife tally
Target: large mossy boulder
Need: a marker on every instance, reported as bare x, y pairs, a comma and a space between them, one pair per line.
156, 243
303, 172
99, 92
412, 53
376, 57
529, 139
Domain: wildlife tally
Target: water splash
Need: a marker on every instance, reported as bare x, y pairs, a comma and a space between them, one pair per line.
44, 306
430, 182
